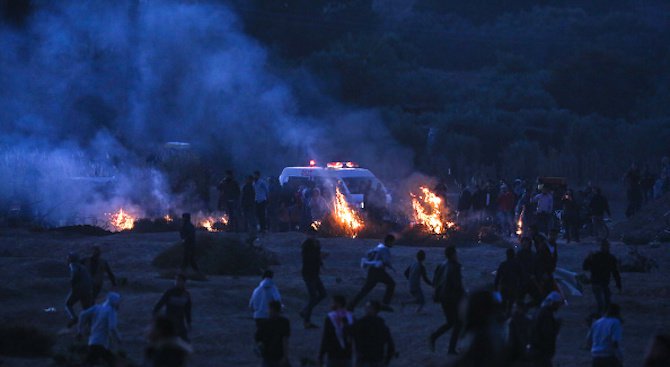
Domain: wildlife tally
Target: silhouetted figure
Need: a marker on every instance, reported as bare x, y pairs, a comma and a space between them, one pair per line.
658, 352
373, 344
603, 266
229, 199
261, 297
529, 283
312, 260
81, 290
166, 348
177, 303
604, 338
414, 274
570, 218
632, 180
483, 337
377, 261
545, 331
101, 324
545, 206
248, 204
598, 208
262, 193
272, 337
97, 267
336, 341
508, 280
187, 234
449, 291
506, 202
519, 327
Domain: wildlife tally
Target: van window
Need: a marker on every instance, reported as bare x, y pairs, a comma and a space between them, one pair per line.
294, 182
357, 185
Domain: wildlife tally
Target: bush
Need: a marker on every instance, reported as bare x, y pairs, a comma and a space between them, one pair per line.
220, 254
25, 341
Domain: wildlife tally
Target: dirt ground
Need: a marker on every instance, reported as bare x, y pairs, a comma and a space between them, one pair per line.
35, 277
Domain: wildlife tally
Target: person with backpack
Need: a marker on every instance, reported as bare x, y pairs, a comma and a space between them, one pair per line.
336, 345
265, 293
377, 261
415, 273
449, 291
604, 339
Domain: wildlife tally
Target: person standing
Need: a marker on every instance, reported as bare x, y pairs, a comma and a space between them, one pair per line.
377, 261
97, 267
545, 331
187, 234
261, 297
312, 260
373, 344
449, 291
177, 303
262, 192
604, 339
103, 328
603, 266
81, 290
545, 206
229, 199
248, 203
336, 345
272, 337
508, 280
414, 274
632, 180
598, 207
506, 203
570, 216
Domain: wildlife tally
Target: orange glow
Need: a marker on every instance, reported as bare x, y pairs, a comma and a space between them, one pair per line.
429, 212
210, 222
121, 221
335, 165
168, 218
519, 225
312, 163
316, 225
345, 217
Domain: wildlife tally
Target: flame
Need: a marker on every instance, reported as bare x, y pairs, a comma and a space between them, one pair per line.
347, 218
121, 221
316, 225
519, 225
168, 218
428, 211
210, 222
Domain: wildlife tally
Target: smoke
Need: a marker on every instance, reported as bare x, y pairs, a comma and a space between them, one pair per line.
93, 90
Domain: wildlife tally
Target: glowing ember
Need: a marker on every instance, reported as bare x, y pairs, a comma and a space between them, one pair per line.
346, 217
316, 225
519, 225
121, 221
168, 218
213, 224
429, 212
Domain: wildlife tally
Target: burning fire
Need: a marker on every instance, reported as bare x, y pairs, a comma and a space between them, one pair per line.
519, 225
168, 218
316, 225
429, 212
210, 222
346, 217
121, 221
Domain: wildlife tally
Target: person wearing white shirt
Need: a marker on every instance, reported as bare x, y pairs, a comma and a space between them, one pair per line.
604, 338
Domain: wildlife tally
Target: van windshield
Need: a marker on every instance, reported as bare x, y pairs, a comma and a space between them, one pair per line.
357, 185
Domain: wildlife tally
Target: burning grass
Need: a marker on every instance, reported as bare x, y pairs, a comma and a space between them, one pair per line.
220, 255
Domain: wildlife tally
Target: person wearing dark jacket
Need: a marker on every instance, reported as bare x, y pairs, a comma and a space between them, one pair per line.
248, 204
508, 280
527, 260
81, 288
545, 331
187, 234
165, 348
336, 347
177, 303
312, 260
272, 337
544, 266
229, 199
98, 267
570, 216
373, 344
603, 266
598, 208
449, 291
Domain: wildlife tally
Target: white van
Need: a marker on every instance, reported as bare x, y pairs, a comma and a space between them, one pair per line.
352, 180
